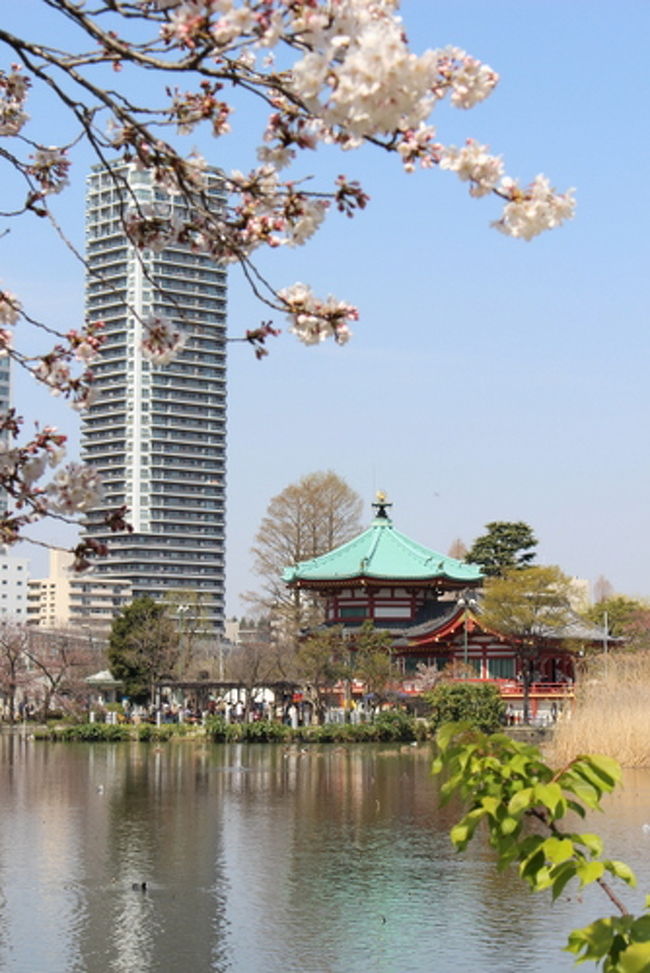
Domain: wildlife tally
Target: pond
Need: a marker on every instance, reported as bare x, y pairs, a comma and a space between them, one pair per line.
259, 857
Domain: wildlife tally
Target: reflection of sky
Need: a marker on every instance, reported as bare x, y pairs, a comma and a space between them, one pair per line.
331, 861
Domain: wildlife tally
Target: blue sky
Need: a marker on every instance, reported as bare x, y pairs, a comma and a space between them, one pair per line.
488, 378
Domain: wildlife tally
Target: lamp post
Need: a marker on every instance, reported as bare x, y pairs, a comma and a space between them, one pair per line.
528, 652
466, 602
181, 613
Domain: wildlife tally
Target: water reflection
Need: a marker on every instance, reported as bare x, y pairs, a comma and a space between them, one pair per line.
335, 860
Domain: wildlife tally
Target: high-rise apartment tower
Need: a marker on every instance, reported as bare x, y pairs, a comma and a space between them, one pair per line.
157, 434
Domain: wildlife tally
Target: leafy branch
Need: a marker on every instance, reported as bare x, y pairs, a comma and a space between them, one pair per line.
522, 801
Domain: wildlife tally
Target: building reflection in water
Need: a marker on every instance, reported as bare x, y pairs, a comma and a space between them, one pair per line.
261, 857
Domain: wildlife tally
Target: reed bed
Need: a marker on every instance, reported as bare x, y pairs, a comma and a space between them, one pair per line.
611, 714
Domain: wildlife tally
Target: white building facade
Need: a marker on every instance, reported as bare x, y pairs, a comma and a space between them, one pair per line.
157, 434
14, 575
87, 602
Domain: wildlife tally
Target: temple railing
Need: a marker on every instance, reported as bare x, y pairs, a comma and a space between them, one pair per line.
509, 688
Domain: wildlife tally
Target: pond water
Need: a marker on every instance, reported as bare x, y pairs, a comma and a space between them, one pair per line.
336, 860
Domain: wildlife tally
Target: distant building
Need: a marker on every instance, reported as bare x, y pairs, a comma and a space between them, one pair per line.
157, 434
48, 604
244, 631
14, 576
64, 598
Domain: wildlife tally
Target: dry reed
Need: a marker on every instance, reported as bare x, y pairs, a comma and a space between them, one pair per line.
611, 714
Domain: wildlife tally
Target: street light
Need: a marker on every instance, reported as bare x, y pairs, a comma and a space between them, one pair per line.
467, 602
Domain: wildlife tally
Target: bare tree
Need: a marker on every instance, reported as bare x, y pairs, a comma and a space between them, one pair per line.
603, 589
458, 549
59, 661
254, 666
306, 520
187, 609
14, 640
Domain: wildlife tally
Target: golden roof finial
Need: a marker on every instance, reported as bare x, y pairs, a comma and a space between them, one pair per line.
381, 504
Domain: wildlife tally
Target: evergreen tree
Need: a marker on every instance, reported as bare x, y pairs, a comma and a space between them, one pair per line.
143, 647
504, 546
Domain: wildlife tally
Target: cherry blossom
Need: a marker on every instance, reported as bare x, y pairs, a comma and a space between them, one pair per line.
533, 210
162, 340
50, 169
474, 164
9, 308
74, 489
344, 76
13, 93
314, 320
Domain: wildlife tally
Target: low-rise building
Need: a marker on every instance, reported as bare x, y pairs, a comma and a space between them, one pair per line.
65, 598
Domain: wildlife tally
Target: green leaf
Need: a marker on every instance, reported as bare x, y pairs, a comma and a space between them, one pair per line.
550, 795
593, 941
542, 879
606, 767
622, 871
521, 800
561, 877
558, 850
640, 929
532, 865
447, 732
592, 842
508, 825
592, 776
459, 835
587, 793
588, 872
576, 808
635, 959
491, 805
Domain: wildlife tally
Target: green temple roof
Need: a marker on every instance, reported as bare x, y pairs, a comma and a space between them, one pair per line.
382, 553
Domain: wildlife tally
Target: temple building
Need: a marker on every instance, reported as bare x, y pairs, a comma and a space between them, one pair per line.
431, 605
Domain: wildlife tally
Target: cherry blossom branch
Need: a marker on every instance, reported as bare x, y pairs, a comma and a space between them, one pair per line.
347, 78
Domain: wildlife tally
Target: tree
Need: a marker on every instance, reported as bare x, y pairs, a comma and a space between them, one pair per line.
97, 94
458, 549
14, 639
479, 705
254, 666
372, 661
59, 661
506, 545
322, 660
143, 647
603, 588
187, 609
532, 607
618, 612
306, 520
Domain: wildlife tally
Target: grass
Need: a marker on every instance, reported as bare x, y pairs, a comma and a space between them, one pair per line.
611, 714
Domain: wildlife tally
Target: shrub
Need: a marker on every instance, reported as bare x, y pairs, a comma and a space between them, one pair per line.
262, 731
395, 724
474, 703
91, 733
150, 733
